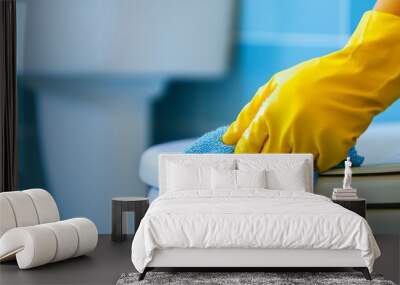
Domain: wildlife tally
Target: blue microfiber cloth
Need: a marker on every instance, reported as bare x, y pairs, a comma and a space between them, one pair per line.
211, 142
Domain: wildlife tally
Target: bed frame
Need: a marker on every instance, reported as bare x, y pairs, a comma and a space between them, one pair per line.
249, 259
242, 259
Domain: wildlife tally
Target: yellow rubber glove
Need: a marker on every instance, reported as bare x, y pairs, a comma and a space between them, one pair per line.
323, 105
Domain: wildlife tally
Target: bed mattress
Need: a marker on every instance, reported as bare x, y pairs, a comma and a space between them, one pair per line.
252, 218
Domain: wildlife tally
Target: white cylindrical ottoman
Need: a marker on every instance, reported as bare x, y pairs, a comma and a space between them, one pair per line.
40, 244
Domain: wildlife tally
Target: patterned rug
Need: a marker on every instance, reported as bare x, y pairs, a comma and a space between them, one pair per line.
243, 278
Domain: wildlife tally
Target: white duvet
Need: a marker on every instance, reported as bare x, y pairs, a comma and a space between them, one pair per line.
250, 219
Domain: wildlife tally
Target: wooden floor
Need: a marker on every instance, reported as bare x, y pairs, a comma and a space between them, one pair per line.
110, 260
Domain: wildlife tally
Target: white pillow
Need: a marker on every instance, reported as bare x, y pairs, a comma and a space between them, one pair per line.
281, 175
191, 175
237, 179
251, 178
223, 179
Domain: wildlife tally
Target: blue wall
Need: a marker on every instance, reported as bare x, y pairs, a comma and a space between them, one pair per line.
272, 35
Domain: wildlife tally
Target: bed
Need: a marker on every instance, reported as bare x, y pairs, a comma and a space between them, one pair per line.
282, 224
378, 180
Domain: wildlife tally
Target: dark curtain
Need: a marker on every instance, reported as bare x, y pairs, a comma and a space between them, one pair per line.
8, 97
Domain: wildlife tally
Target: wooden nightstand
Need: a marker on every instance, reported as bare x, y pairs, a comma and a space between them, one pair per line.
358, 206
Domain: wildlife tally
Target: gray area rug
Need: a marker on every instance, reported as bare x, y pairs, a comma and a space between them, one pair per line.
232, 278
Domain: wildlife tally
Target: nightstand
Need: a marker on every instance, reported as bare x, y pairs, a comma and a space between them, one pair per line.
121, 205
358, 206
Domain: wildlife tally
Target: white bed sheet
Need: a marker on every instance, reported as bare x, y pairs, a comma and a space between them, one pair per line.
251, 218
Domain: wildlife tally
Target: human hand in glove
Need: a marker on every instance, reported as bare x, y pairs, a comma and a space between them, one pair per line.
323, 105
